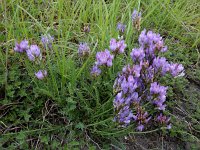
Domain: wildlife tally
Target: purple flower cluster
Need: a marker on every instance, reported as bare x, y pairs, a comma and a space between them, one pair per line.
159, 95
41, 74
47, 41
34, 54
83, 50
137, 85
117, 47
105, 58
21, 47
152, 41
95, 71
121, 27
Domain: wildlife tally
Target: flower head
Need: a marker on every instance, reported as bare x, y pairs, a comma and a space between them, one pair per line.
84, 49
136, 15
33, 53
95, 71
47, 41
117, 47
21, 47
161, 64
140, 127
121, 27
41, 74
176, 69
152, 42
136, 18
104, 58
137, 54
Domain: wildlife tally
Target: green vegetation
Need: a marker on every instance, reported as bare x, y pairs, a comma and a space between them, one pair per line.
71, 110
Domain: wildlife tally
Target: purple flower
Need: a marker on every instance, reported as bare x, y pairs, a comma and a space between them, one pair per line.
151, 42
124, 116
41, 74
84, 49
159, 90
118, 101
169, 126
22, 47
137, 54
95, 71
161, 64
33, 53
131, 99
113, 44
121, 27
176, 69
136, 16
121, 46
149, 74
104, 58
47, 41
137, 85
164, 120
140, 127
117, 46
137, 69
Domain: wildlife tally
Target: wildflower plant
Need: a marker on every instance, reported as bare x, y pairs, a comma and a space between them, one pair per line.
140, 98
34, 54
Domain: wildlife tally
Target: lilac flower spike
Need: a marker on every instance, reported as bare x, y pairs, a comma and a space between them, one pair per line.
84, 49
136, 15
104, 58
136, 18
121, 27
33, 53
117, 47
47, 41
41, 74
22, 47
